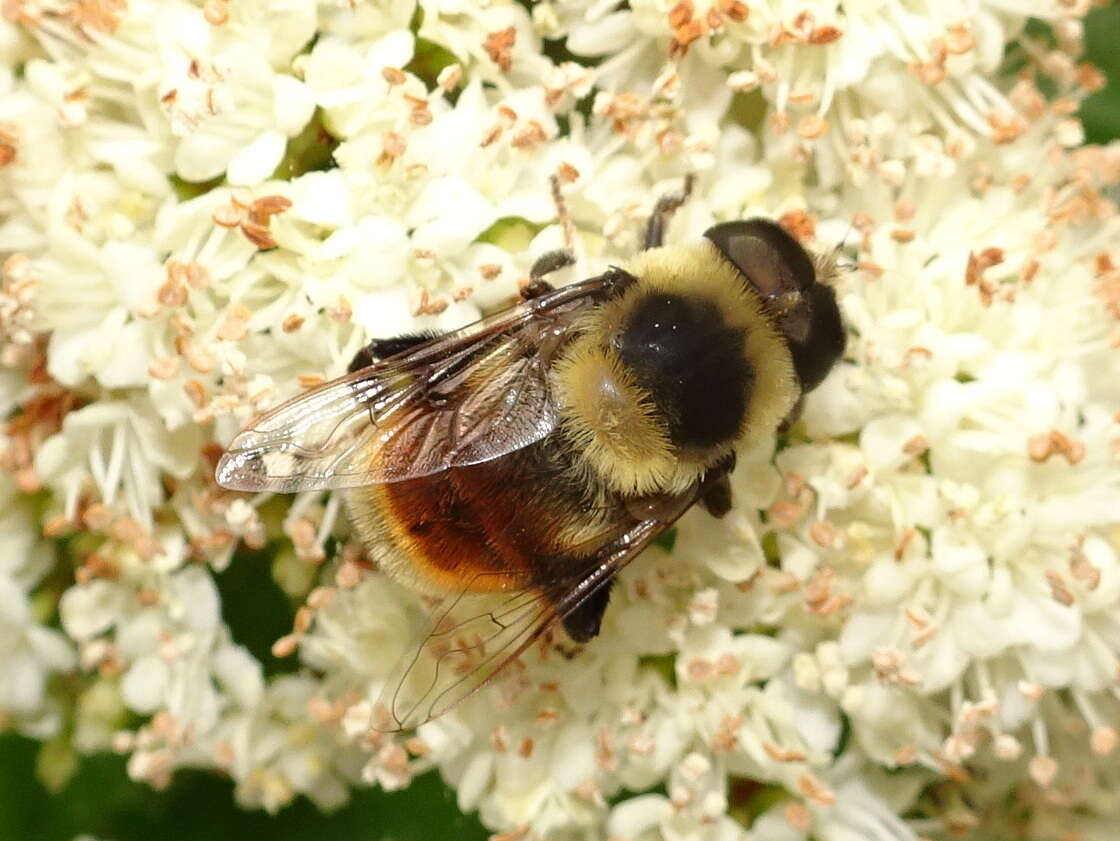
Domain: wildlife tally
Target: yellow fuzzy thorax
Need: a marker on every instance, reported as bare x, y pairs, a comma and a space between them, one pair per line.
616, 424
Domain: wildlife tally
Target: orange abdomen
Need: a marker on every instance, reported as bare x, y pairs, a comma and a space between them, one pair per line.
501, 525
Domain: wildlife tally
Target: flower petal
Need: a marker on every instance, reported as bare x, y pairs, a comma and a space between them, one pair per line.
257, 161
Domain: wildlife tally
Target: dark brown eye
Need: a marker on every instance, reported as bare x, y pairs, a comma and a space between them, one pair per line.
770, 259
782, 273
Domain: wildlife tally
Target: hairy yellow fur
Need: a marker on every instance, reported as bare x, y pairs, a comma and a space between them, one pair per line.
388, 546
616, 424
613, 421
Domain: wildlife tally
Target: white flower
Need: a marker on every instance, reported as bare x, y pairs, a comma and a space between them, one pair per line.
888, 86
910, 611
71, 159
972, 521
121, 449
275, 750
93, 300
29, 653
355, 87
215, 81
360, 634
864, 807
496, 42
233, 113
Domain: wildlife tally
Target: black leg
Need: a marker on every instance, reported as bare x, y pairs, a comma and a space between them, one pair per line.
546, 264
663, 212
379, 349
559, 258
583, 623
551, 261
716, 497
715, 492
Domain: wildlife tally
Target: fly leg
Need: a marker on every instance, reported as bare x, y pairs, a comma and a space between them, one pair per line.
559, 258
715, 487
546, 264
379, 349
663, 211
582, 624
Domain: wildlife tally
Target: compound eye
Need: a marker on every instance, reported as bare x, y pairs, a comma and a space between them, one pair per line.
776, 266
771, 260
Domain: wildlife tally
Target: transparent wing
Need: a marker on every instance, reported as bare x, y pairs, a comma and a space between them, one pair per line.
460, 399
461, 654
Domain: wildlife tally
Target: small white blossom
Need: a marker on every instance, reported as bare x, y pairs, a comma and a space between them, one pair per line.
120, 449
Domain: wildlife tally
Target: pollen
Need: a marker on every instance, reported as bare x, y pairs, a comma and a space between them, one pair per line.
812, 126
216, 12
9, 143
498, 46
814, 790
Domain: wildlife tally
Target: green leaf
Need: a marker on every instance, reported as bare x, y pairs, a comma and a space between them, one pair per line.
667, 539
187, 190
254, 607
664, 664
312, 150
1101, 111
511, 233
747, 798
428, 59
56, 763
100, 799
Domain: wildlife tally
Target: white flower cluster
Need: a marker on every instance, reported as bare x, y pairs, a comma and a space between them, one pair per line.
908, 626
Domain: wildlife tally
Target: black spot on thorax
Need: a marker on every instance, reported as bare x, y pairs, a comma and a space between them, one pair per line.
681, 350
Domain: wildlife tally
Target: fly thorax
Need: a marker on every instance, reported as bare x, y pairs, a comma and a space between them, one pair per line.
680, 350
